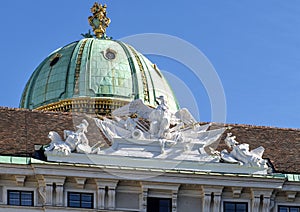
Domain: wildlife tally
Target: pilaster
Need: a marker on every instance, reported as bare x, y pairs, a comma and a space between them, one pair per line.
111, 197
101, 197
211, 195
111, 193
59, 194
265, 196
255, 203
49, 194
217, 203
46, 189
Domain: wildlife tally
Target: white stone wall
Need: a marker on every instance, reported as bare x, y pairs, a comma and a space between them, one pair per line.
188, 191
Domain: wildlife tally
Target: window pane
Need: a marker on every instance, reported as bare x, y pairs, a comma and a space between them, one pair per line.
164, 202
74, 196
13, 198
283, 209
86, 205
229, 207
75, 204
26, 202
159, 204
74, 200
241, 207
14, 194
80, 200
86, 197
26, 198
164, 205
288, 208
235, 207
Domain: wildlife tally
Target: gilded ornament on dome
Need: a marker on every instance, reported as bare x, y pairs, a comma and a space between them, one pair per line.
99, 21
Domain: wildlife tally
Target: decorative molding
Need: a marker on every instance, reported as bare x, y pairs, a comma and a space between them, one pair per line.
257, 192
20, 180
99, 21
110, 183
41, 188
80, 181
161, 186
236, 192
171, 190
290, 196
46, 189
143, 199
174, 200
97, 105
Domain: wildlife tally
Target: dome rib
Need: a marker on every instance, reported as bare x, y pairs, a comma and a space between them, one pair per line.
151, 80
142, 72
66, 93
135, 88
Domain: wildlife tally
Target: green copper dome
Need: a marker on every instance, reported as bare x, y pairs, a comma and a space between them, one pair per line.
98, 70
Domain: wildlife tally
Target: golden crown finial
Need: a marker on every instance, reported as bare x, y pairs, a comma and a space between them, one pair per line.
99, 21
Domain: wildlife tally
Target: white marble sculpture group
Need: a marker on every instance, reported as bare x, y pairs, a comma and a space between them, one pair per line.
74, 141
241, 154
137, 130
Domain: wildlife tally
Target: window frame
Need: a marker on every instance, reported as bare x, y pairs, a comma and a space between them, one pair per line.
286, 205
67, 195
8, 193
236, 201
160, 198
24, 189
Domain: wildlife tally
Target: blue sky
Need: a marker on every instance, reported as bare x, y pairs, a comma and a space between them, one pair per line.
253, 46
